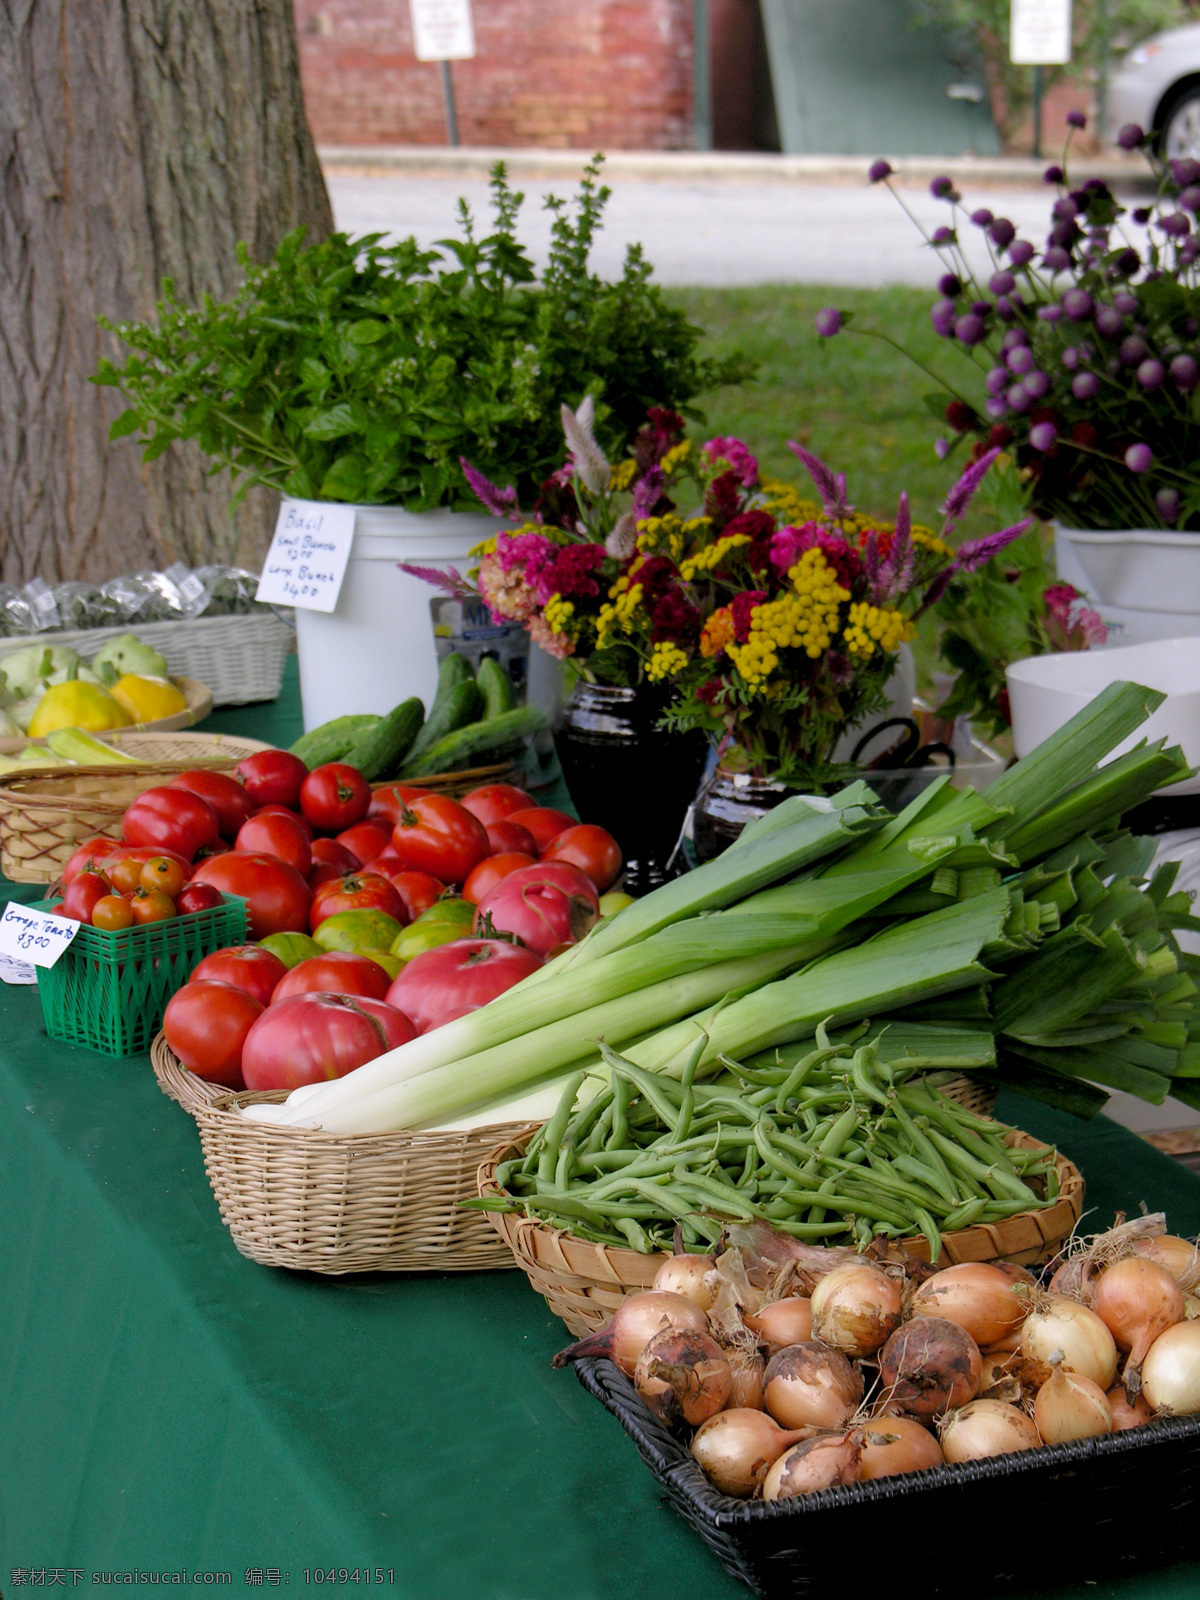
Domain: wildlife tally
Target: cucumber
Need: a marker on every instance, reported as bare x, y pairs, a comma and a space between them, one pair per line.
331, 740
498, 692
478, 740
463, 704
379, 750
453, 670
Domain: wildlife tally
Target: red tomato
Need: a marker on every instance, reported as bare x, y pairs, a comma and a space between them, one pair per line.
590, 848
445, 983
80, 896
277, 896
339, 972
543, 823
223, 793
358, 891
90, 856
171, 819
322, 872
504, 837
334, 797
495, 802
246, 966
387, 803
272, 777
206, 1025
312, 1037
385, 863
437, 835
545, 905
330, 852
198, 897
276, 834
274, 810
481, 880
365, 840
150, 905
207, 851
417, 891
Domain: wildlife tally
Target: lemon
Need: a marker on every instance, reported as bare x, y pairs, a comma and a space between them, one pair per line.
77, 705
148, 699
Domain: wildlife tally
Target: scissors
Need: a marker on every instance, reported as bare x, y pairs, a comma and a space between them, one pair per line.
908, 751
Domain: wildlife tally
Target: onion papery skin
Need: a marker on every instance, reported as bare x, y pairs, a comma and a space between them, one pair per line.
930, 1365
818, 1464
632, 1326
1070, 1407
685, 1275
807, 1385
979, 1297
1191, 1306
895, 1445
855, 1309
1180, 1257
1171, 1370
1067, 1334
1124, 1414
683, 1376
986, 1428
782, 1323
747, 1368
736, 1449
1137, 1300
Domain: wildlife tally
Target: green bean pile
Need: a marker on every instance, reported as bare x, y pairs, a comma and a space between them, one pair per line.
841, 1146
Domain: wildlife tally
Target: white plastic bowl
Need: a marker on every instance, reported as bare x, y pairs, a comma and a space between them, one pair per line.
1148, 569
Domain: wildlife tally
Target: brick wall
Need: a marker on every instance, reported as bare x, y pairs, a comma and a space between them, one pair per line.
587, 74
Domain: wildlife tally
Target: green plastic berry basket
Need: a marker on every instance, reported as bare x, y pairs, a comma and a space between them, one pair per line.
108, 990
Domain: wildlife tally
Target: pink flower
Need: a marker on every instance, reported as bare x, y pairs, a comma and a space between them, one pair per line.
735, 454
559, 645
531, 552
1071, 624
508, 596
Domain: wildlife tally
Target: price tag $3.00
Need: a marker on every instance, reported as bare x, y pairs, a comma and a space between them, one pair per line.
37, 937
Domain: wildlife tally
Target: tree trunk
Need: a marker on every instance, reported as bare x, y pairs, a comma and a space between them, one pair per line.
139, 139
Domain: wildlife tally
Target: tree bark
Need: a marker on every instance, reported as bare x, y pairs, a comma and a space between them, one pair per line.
139, 139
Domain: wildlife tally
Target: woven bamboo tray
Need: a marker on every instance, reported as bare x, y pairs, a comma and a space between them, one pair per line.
584, 1283
174, 1079
47, 812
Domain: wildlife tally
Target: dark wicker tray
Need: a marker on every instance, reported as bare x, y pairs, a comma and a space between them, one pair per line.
1088, 1510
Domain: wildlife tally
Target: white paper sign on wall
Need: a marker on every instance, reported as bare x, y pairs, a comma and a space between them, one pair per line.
307, 559
34, 936
1041, 33
443, 30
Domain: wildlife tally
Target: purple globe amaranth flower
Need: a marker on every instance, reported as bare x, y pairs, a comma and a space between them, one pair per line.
941, 188
941, 448
1049, 313
1125, 302
949, 285
996, 380
1130, 136
1001, 282
970, 330
1077, 303
1013, 338
1001, 232
1017, 399
1053, 175
1142, 214
1109, 322
1064, 210
1021, 253
1175, 224
1070, 358
1191, 197
1188, 251
981, 308
1043, 436
1168, 503
1139, 458
1127, 263
1184, 170
1184, 373
828, 322
1076, 119
1020, 359
942, 315
879, 170
1056, 259
1036, 385
943, 236
1151, 374
996, 407
1005, 309
1085, 386
982, 218
1133, 351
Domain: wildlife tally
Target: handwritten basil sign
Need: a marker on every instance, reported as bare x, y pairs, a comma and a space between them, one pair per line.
307, 559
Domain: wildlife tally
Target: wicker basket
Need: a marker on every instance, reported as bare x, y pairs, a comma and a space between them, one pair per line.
240, 658
458, 784
47, 812
199, 703
584, 1283
174, 1079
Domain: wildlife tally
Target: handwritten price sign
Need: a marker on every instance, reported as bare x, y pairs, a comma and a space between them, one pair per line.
307, 559
34, 936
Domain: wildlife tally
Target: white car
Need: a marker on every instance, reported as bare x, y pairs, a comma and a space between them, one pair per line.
1157, 86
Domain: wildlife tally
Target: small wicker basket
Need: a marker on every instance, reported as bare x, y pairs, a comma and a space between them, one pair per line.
584, 1283
458, 784
174, 1079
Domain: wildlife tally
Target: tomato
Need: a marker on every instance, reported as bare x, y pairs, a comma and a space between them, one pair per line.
125, 874
545, 905
384, 958
207, 851
334, 797
312, 1037
246, 966
81, 894
338, 972
291, 948
223, 793
206, 1025
287, 811
160, 872
459, 977
174, 819
111, 912
495, 802
331, 852
612, 902
590, 848
361, 930
277, 896
150, 905
387, 803
364, 841
417, 891
438, 836
198, 897
483, 879
357, 891
543, 823
276, 834
90, 856
447, 920
272, 777
505, 837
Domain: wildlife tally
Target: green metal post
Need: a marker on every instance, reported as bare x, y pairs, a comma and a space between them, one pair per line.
701, 76
448, 96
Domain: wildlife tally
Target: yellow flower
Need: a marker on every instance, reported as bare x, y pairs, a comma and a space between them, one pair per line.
622, 475
487, 548
804, 620
558, 612
871, 627
665, 661
928, 540
673, 457
661, 533
711, 556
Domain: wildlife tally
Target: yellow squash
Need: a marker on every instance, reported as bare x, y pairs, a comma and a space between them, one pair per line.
77, 705
148, 699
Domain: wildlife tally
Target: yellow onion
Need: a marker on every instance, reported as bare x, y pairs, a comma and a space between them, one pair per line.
1127, 1415
818, 1464
986, 1428
1191, 1306
683, 1376
685, 1275
807, 1385
746, 1367
1137, 1300
736, 1449
1171, 1370
632, 1326
1180, 1257
892, 1445
783, 1322
855, 1309
929, 1365
980, 1298
1063, 1333
1070, 1407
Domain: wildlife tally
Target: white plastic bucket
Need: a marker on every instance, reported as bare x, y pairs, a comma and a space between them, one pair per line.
1146, 580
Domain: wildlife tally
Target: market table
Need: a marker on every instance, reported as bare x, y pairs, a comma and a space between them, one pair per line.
166, 1404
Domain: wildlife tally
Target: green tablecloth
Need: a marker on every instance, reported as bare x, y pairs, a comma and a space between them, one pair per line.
166, 1404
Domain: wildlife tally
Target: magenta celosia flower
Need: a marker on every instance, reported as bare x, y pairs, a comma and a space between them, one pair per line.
741, 608
735, 453
570, 572
500, 502
529, 551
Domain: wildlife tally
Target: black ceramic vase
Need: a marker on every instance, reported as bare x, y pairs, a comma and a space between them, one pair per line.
628, 775
729, 802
